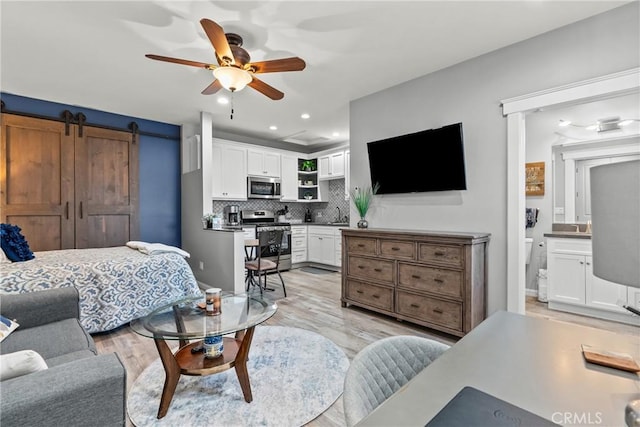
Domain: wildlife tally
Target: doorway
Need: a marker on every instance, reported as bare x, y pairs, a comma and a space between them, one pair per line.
515, 109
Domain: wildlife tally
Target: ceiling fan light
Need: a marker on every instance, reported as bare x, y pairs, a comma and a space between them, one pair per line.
232, 78
625, 122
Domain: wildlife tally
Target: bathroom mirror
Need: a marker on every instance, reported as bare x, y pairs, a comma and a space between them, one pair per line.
573, 139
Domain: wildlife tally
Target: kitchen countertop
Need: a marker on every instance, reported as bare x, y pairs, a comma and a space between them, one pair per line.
339, 224
568, 234
227, 229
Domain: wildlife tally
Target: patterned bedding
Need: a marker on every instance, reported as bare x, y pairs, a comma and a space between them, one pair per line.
116, 285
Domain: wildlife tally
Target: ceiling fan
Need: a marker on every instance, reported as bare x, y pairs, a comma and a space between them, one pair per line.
234, 70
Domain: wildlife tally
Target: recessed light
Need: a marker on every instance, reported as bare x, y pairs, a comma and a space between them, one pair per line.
564, 123
592, 127
625, 122
335, 134
305, 115
273, 127
222, 100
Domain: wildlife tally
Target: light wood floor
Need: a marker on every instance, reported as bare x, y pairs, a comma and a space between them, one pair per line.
313, 303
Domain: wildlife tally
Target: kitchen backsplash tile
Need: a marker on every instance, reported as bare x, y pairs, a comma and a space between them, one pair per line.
335, 198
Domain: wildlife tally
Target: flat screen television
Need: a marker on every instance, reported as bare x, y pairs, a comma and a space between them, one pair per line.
429, 160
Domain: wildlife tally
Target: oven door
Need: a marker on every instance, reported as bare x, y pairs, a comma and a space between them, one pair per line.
269, 251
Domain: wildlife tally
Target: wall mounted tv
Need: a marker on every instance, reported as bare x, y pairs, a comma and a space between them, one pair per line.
429, 160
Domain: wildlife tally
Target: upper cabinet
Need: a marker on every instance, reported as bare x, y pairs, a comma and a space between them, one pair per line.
229, 169
289, 176
331, 166
263, 163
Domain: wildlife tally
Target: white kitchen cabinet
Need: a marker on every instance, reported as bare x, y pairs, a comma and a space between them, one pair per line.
263, 163
331, 166
572, 286
298, 244
229, 172
289, 178
321, 245
337, 234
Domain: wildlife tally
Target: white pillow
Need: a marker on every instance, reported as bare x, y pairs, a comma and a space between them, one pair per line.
6, 327
3, 258
20, 363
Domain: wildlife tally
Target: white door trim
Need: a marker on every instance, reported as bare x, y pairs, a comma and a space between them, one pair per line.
616, 84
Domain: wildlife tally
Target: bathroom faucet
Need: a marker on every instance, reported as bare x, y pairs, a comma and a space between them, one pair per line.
338, 218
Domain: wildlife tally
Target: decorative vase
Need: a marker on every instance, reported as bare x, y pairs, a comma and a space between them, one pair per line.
363, 223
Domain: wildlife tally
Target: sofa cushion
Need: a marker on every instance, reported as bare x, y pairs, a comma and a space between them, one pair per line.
6, 327
50, 340
20, 363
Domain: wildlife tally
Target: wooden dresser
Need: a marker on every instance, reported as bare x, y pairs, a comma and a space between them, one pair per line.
430, 278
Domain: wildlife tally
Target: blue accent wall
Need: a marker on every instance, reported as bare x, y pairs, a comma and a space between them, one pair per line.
159, 164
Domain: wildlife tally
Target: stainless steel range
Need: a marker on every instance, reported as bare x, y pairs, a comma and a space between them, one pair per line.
264, 221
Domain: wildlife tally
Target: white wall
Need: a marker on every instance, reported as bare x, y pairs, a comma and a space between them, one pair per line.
470, 92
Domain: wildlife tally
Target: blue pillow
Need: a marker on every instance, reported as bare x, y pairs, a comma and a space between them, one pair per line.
14, 244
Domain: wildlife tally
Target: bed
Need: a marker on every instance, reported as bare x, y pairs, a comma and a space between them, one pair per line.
116, 285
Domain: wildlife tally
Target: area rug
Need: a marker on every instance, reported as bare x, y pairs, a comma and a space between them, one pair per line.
295, 376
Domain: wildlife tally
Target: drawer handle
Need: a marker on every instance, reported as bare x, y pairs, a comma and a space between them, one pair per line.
360, 245
376, 296
395, 249
438, 280
415, 306
359, 291
415, 276
437, 310
438, 253
361, 267
377, 270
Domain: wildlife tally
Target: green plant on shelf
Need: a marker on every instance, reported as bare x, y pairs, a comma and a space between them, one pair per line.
308, 165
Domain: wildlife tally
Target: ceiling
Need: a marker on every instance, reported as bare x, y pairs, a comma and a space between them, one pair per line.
91, 54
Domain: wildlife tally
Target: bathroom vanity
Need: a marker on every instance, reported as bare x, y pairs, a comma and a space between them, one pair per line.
572, 287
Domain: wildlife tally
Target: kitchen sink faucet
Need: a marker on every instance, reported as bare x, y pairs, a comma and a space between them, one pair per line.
338, 218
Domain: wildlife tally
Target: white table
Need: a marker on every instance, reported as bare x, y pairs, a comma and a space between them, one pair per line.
533, 363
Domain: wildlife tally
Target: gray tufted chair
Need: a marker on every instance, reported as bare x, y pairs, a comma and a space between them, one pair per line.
381, 368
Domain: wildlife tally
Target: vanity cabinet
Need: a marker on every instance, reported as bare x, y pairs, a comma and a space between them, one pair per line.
229, 169
432, 279
331, 166
263, 163
572, 286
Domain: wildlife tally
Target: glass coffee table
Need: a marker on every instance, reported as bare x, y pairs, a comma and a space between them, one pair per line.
187, 322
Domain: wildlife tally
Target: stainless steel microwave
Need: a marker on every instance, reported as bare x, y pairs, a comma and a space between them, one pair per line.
259, 187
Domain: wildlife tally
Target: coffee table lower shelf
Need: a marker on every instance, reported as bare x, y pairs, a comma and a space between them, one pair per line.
184, 362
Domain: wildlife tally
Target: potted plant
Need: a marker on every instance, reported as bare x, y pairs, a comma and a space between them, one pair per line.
362, 199
308, 165
207, 220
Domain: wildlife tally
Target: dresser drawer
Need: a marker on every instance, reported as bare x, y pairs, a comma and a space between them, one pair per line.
433, 310
430, 279
361, 245
406, 250
373, 295
450, 255
367, 268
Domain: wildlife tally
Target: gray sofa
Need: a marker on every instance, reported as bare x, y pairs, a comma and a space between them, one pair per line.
80, 387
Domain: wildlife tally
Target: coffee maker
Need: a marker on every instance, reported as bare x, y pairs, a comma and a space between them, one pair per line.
231, 215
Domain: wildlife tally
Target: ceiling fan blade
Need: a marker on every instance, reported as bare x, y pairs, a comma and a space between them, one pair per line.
212, 88
277, 65
218, 40
265, 89
181, 61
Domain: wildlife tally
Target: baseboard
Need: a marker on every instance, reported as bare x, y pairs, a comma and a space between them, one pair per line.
531, 292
